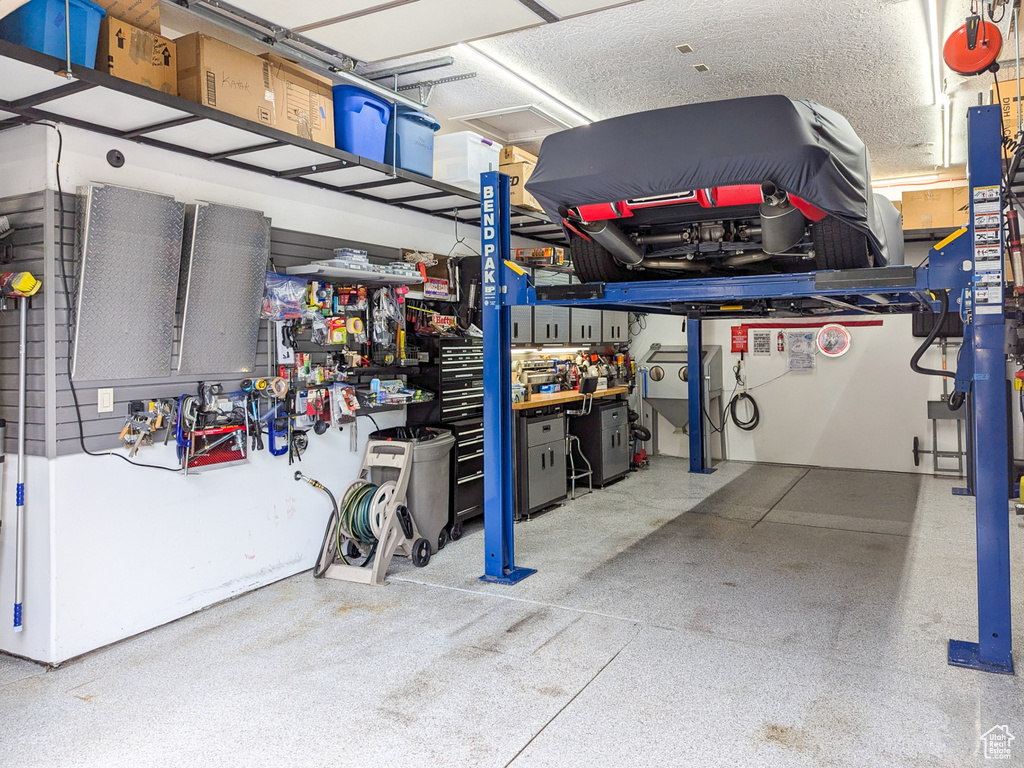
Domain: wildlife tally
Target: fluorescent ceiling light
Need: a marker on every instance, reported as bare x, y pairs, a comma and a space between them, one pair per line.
905, 180
935, 44
947, 130
509, 73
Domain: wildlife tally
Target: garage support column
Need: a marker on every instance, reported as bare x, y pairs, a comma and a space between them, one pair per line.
495, 230
696, 388
992, 652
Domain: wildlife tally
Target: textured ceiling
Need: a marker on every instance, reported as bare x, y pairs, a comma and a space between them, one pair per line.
868, 60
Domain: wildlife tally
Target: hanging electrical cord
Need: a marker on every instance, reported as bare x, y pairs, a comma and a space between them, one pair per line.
956, 399
940, 319
749, 423
69, 304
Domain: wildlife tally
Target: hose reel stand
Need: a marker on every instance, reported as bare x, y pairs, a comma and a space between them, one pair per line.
372, 519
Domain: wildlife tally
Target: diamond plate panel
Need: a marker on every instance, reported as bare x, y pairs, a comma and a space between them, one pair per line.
129, 250
226, 252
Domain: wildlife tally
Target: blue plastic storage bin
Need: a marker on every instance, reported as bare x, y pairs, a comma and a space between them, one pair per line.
414, 134
39, 24
360, 122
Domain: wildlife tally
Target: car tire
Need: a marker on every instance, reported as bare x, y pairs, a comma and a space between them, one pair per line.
837, 245
593, 264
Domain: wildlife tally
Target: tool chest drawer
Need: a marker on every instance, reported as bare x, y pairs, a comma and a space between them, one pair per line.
460, 378
468, 469
545, 431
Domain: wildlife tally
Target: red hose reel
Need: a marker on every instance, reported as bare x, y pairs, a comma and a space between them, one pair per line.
974, 47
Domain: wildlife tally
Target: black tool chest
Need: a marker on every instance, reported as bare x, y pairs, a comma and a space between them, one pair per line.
456, 376
604, 440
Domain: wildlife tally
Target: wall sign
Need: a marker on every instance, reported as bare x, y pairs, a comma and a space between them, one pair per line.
800, 346
834, 340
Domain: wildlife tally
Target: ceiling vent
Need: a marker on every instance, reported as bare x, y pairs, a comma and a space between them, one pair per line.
515, 125
684, 48
702, 67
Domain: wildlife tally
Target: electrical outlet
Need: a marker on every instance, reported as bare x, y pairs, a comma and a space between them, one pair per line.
105, 400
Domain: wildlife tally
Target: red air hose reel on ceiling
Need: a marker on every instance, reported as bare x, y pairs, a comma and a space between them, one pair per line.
974, 47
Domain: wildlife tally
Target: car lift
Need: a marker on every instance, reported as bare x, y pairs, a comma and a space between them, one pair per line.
973, 278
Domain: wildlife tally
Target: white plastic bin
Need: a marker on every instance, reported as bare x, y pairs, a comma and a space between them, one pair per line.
10, 6
460, 158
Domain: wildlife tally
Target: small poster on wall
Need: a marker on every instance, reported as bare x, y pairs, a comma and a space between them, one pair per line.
801, 347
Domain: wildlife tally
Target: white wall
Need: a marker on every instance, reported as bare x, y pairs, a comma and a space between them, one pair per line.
35, 641
114, 550
137, 548
859, 411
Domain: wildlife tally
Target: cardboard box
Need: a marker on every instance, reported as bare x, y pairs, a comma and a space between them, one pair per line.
303, 101
510, 155
961, 206
134, 54
218, 75
1007, 100
519, 174
928, 209
144, 14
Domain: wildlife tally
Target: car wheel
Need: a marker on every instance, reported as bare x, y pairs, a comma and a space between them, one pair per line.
594, 264
837, 245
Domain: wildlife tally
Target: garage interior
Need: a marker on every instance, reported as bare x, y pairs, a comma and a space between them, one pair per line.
348, 405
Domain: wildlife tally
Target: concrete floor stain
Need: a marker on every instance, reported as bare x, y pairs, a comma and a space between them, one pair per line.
785, 736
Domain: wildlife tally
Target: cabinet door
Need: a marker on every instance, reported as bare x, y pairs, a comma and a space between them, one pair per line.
615, 327
615, 451
551, 325
546, 481
522, 325
585, 326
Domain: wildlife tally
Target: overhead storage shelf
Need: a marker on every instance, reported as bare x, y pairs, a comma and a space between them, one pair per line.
30, 90
360, 276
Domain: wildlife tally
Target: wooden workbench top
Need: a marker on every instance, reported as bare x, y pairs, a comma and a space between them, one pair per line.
559, 398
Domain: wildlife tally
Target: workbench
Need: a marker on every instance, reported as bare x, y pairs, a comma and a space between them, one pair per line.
562, 398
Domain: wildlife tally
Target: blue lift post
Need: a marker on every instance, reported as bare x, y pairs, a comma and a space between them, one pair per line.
696, 405
957, 265
987, 395
499, 540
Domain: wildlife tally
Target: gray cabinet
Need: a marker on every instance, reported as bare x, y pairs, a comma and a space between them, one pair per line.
604, 440
546, 464
522, 325
540, 473
550, 325
614, 452
585, 326
615, 328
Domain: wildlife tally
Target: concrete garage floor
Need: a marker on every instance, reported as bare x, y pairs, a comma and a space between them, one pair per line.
758, 616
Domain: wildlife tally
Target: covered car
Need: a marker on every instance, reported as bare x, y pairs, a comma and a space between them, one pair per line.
751, 185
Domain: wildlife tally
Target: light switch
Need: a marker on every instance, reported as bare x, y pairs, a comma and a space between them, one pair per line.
105, 400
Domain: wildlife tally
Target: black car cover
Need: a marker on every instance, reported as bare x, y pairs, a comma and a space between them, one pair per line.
808, 150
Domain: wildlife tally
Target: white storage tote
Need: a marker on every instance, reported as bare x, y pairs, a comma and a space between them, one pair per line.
460, 158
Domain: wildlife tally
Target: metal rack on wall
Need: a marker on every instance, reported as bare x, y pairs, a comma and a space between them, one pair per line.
33, 88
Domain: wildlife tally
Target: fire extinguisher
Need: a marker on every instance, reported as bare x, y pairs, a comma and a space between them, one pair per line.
781, 342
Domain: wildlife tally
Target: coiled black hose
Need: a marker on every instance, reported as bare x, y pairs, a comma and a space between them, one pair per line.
747, 425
